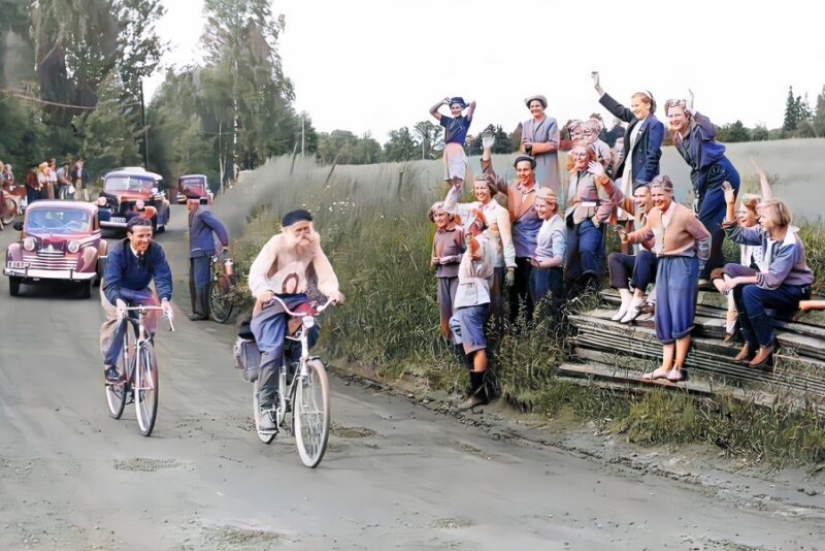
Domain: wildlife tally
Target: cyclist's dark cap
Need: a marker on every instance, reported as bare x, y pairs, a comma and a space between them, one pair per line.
137, 221
191, 195
528, 158
293, 216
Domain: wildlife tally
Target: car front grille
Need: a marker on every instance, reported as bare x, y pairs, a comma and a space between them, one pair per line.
49, 260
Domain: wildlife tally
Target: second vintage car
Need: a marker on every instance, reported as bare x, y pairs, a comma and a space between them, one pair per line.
59, 240
197, 184
124, 189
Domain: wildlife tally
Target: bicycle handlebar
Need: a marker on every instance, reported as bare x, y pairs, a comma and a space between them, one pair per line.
142, 309
318, 309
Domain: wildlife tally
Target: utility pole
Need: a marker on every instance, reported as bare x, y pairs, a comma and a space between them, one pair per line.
303, 135
145, 129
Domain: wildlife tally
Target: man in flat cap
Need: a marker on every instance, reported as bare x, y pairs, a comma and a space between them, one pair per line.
202, 225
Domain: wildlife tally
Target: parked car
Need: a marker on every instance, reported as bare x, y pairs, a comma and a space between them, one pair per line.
123, 188
194, 183
59, 240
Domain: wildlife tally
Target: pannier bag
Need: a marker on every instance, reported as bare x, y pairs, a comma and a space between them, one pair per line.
247, 355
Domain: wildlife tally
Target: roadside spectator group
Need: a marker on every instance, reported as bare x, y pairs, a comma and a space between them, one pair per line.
543, 238
47, 180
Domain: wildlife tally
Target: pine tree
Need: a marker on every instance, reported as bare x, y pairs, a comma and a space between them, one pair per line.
791, 112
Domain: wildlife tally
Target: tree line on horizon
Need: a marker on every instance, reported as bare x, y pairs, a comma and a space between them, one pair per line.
71, 74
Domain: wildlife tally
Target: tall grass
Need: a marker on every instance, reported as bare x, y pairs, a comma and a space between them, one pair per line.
374, 227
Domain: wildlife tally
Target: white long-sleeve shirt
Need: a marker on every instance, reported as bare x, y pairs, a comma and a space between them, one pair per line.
498, 218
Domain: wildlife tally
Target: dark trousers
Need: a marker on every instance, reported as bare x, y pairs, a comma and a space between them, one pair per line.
544, 280
520, 291
752, 301
711, 207
584, 251
200, 276
639, 270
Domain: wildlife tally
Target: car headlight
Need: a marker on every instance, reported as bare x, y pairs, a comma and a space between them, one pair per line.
29, 243
73, 247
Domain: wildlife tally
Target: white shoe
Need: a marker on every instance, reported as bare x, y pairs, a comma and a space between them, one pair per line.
632, 311
622, 311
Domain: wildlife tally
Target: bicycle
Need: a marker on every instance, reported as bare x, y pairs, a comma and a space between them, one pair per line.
11, 208
140, 367
222, 290
311, 425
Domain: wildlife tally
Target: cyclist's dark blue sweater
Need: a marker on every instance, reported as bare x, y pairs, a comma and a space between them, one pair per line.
125, 271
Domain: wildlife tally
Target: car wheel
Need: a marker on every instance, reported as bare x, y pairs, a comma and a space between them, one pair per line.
14, 286
86, 288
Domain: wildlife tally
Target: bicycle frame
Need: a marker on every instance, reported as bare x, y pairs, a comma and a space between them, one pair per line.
286, 389
142, 337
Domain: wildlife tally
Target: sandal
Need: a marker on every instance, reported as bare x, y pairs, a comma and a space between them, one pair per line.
658, 373
675, 375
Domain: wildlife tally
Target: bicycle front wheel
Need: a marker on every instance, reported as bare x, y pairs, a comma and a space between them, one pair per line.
146, 388
311, 413
220, 298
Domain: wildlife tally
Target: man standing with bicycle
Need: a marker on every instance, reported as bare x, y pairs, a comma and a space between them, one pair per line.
202, 224
283, 268
132, 265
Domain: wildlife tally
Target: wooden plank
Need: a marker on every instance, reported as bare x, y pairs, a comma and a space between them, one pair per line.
803, 345
599, 374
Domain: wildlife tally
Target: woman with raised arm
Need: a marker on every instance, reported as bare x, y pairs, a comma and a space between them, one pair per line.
455, 134
695, 139
749, 255
540, 140
783, 277
681, 246
643, 137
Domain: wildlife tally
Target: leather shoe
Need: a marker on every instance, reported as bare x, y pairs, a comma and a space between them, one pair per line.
763, 358
744, 355
197, 317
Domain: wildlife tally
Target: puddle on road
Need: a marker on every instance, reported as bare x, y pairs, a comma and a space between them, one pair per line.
342, 431
236, 538
450, 523
146, 465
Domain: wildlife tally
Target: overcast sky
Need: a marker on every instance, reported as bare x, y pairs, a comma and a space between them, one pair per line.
376, 65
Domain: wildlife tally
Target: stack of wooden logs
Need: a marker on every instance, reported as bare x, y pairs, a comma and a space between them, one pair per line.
612, 354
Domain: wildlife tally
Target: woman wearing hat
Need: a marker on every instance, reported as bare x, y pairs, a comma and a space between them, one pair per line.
455, 134
540, 140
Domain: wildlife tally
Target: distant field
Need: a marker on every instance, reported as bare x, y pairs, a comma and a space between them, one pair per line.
797, 165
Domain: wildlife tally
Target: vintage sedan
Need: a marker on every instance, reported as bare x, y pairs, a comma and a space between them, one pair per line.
194, 183
123, 189
59, 240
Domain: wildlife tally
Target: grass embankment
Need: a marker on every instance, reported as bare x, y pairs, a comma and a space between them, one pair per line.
375, 230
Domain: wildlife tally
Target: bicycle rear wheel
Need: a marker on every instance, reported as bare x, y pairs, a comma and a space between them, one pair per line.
266, 437
311, 413
146, 388
116, 395
220, 298
9, 211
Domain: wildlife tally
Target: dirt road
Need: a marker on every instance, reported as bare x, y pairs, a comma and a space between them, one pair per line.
397, 475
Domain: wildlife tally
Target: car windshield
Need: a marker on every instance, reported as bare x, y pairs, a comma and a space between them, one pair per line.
128, 183
58, 221
195, 184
